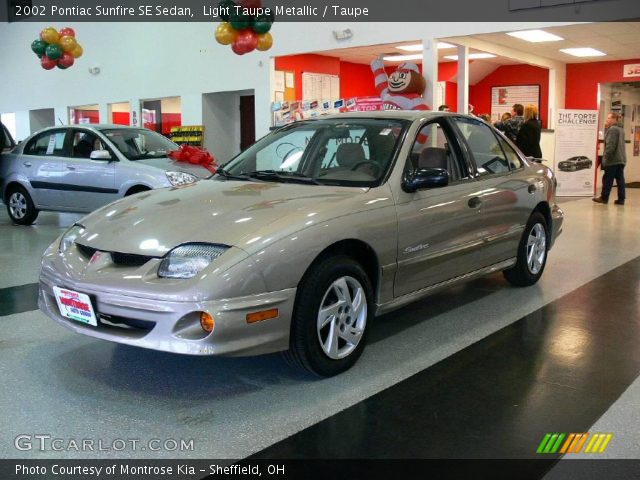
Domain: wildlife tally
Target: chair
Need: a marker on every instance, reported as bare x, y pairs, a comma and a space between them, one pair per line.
350, 154
83, 149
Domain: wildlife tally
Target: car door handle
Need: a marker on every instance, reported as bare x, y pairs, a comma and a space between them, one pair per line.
71, 168
532, 188
474, 202
27, 164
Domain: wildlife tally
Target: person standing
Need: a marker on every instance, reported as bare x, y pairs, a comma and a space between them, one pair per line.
613, 160
528, 138
511, 126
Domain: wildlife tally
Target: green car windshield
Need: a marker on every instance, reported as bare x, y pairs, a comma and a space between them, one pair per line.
345, 152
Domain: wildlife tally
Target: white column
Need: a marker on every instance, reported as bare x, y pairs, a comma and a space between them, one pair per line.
103, 111
191, 106
263, 89
61, 115
135, 112
557, 90
23, 125
463, 79
430, 71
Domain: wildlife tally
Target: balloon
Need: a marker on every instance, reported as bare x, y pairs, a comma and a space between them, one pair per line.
49, 35
246, 42
77, 52
66, 60
226, 34
227, 6
38, 47
68, 43
261, 24
265, 41
61, 67
53, 51
47, 63
239, 21
67, 32
250, 3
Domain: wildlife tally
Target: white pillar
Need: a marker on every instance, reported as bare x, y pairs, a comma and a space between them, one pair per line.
135, 112
23, 125
430, 71
61, 115
191, 106
263, 95
557, 79
463, 79
103, 112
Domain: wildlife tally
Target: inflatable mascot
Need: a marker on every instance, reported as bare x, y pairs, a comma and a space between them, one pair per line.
403, 89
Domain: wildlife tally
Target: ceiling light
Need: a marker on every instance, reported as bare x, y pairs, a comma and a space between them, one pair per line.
535, 36
417, 47
402, 58
472, 56
583, 52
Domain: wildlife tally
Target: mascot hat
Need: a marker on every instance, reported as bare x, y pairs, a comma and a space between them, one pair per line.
409, 66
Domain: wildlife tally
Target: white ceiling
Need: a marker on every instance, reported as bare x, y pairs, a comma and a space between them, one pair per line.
619, 40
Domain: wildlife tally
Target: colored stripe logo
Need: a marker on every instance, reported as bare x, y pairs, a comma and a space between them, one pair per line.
554, 443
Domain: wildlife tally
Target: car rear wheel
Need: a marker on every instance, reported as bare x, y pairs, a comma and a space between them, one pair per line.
333, 305
20, 207
532, 253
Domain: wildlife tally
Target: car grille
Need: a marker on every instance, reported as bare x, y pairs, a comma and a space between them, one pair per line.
123, 259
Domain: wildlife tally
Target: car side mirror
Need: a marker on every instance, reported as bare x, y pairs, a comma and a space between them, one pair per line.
534, 159
100, 155
425, 178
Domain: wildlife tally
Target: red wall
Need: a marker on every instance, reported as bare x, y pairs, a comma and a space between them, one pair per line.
307, 63
120, 118
480, 93
356, 80
583, 79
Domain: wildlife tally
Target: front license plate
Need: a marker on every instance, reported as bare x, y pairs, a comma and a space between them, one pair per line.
76, 306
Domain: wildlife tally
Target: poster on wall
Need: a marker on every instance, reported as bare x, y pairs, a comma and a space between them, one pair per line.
504, 97
576, 149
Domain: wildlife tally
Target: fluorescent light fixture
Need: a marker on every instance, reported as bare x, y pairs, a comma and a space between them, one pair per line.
583, 52
472, 56
417, 47
535, 36
402, 58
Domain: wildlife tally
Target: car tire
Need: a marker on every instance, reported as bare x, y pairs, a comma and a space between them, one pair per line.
532, 253
20, 206
333, 305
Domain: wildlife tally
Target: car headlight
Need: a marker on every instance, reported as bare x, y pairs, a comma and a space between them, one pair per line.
187, 260
180, 178
69, 237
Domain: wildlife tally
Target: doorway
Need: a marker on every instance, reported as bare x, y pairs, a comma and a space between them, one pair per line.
247, 121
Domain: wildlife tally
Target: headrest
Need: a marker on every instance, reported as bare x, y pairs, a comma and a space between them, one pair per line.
433, 157
349, 154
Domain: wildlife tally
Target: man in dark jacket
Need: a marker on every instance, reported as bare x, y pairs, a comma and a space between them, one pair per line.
511, 127
613, 160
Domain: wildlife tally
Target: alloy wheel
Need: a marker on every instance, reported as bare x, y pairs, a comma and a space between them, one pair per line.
536, 248
18, 205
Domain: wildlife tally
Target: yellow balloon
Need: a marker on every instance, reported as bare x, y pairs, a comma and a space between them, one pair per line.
77, 51
265, 41
226, 34
68, 43
50, 35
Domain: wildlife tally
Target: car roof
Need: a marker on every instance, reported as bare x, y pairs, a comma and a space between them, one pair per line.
393, 114
91, 126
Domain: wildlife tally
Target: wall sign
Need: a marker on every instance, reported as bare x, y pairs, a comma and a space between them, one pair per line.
576, 150
631, 70
504, 97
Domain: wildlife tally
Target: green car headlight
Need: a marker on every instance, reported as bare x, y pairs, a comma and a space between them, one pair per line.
186, 261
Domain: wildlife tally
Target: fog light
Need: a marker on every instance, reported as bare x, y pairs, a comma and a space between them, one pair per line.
263, 315
207, 322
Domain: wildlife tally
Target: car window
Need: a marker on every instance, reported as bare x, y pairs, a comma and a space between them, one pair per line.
284, 154
483, 143
515, 161
84, 143
433, 149
47, 143
139, 144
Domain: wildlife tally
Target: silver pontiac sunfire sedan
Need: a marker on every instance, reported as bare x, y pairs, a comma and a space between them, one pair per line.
297, 243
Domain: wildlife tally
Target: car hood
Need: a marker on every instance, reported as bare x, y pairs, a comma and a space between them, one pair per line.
167, 164
234, 213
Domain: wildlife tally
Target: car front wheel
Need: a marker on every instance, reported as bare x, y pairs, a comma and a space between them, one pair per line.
333, 304
532, 253
20, 206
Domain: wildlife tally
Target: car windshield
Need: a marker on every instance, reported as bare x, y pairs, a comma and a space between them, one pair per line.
139, 144
344, 152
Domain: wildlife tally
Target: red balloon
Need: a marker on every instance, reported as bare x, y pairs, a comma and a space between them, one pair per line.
67, 31
245, 42
250, 3
47, 63
66, 60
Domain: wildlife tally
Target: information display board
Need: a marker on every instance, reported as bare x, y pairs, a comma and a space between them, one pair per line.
504, 97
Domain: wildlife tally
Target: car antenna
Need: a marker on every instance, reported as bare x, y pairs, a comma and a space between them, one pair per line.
60, 121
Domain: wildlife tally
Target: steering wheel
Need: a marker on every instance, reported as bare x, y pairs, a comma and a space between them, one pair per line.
370, 163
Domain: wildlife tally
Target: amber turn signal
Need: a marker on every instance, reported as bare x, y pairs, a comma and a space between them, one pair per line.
207, 322
260, 316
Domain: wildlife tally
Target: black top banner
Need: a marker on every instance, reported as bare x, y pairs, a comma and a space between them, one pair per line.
319, 11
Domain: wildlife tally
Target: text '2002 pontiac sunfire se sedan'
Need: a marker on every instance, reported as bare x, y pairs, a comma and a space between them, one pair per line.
298, 242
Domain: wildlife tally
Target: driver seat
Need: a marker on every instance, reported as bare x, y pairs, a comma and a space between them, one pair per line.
350, 154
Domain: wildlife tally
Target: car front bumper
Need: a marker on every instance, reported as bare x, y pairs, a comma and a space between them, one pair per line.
174, 326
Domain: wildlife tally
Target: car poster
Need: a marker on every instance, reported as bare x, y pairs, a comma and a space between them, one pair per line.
575, 153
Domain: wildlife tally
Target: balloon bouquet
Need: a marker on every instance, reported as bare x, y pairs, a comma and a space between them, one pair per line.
57, 48
245, 33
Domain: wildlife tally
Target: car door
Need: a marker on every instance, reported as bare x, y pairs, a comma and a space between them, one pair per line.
440, 230
89, 183
41, 164
504, 195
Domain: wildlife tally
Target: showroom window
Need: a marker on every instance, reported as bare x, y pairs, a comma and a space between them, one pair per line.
487, 153
84, 114
49, 143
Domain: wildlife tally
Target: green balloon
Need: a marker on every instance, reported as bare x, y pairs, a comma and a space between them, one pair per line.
38, 47
53, 51
240, 22
227, 6
61, 67
261, 24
